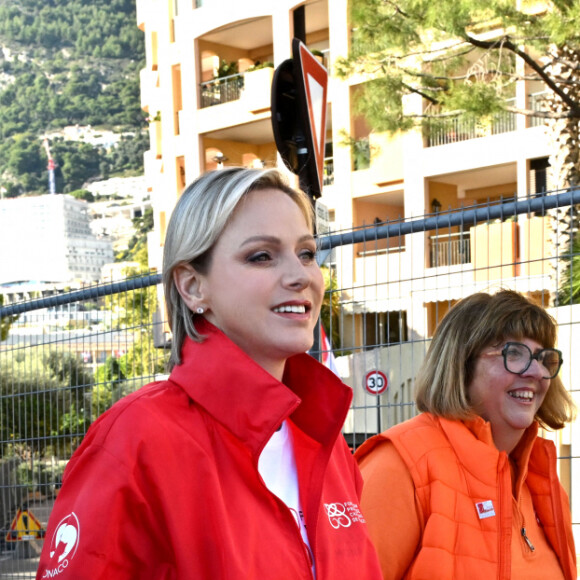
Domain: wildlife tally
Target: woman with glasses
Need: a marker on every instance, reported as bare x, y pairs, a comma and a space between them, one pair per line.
468, 489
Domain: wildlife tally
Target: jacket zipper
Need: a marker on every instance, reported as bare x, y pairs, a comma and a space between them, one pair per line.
503, 549
308, 552
523, 531
526, 539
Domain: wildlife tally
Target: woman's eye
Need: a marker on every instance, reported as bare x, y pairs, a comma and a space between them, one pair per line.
308, 255
514, 353
259, 257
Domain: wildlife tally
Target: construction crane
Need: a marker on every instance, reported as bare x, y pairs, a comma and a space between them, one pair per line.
51, 167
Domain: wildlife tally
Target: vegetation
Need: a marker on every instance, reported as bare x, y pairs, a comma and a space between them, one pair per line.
569, 292
431, 62
66, 63
330, 310
133, 312
97, 29
258, 65
5, 322
36, 390
137, 247
23, 164
39, 99
465, 59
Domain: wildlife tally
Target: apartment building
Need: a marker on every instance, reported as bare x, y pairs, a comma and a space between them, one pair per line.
47, 243
206, 87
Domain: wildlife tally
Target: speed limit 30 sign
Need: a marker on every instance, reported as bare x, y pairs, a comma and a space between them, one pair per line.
376, 382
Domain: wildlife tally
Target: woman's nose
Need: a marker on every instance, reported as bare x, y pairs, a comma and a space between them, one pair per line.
536, 369
296, 275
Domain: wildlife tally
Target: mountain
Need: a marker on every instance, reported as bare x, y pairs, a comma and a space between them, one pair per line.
62, 63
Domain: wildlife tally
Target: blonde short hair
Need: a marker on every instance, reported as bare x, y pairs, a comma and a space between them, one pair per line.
200, 216
473, 324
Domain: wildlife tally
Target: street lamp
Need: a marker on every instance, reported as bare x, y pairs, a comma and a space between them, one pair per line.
220, 159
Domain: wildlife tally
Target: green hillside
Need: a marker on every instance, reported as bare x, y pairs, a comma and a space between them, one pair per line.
67, 62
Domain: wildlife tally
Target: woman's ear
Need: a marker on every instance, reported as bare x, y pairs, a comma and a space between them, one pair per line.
189, 285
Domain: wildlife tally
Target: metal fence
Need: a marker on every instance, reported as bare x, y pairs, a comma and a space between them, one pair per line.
68, 357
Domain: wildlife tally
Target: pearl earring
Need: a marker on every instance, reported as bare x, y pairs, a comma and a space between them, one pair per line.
199, 310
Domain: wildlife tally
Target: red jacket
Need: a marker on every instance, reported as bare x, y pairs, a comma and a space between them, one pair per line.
165, 484
463, 491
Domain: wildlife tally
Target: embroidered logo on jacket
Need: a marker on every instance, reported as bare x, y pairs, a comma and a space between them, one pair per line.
343, 515
63, 545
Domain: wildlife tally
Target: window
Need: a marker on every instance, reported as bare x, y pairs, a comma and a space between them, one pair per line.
384, 328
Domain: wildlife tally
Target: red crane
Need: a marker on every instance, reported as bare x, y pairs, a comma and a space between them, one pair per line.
51, 167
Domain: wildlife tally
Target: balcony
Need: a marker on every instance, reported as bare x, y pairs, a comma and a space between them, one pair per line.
458, 129
450, 250
221, 90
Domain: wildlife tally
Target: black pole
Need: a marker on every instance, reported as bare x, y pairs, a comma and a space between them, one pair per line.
299, 17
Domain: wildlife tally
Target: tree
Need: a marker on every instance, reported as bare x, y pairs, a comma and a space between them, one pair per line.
83, 194
330, 309
110, 378
132, 312
137, 247
465, 58
5, 322
569, 291
36, 388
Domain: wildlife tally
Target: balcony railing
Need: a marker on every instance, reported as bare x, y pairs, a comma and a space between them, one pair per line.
455, 129
504, 122
221, 90
450, 250
537, 103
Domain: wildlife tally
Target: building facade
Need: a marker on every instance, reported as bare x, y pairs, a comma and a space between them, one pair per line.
206, 87
47, 242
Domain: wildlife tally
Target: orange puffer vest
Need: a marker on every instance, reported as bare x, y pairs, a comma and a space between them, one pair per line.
463, 485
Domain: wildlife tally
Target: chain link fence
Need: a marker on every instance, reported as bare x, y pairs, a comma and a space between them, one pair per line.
67, 357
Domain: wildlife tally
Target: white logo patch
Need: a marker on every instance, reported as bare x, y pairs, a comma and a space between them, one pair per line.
63, 546
343, 515
485, 509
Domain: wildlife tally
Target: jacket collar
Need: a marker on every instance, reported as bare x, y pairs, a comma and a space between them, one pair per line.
250, 402
486, 449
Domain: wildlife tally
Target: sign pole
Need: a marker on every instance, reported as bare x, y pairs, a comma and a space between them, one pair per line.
298, 102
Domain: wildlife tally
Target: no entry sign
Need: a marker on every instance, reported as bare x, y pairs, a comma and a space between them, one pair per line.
376, 382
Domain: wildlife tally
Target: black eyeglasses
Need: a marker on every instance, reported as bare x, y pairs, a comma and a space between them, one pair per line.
518, 357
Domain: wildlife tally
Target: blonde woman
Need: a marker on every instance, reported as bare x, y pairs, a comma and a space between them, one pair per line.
235, 467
